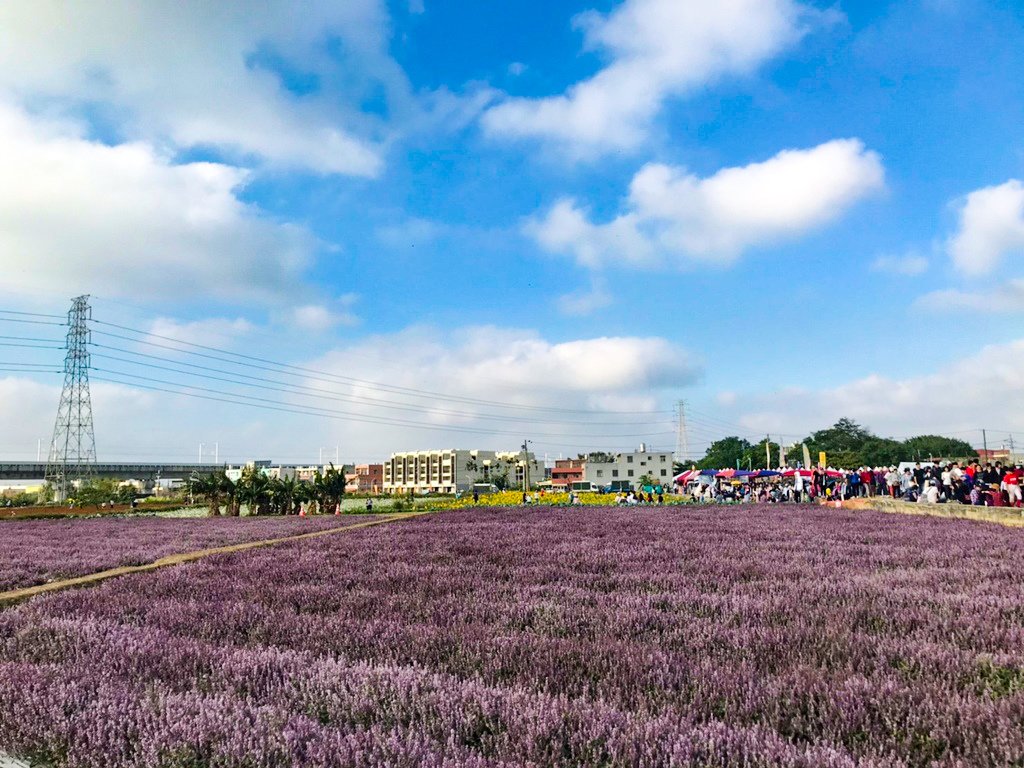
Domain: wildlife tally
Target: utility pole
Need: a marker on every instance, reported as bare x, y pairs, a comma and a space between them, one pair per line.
526, 466
73, 448
768, 450
984, 443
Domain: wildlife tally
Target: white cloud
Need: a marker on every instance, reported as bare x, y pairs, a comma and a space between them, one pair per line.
410, 233
585, 301
211, 332
191, 73
991, 228
518, 365
28, 409
125, 221
1002, 298
517, 68
978, 389
318, 318
907, 265
674, 216
578, 384
657, 49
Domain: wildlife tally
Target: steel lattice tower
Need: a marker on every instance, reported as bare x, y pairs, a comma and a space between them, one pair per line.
73, 448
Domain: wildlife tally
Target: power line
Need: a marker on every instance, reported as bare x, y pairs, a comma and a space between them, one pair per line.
30, 322
265, 403
25, 346
33, 338
32, 314
288, 369
296, 389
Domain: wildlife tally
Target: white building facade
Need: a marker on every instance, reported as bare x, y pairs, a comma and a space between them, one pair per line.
455, 470
618, 469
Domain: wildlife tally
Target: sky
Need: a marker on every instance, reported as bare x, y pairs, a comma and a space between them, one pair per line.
421, 224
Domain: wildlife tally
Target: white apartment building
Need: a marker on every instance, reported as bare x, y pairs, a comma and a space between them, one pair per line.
455, 470
607, 468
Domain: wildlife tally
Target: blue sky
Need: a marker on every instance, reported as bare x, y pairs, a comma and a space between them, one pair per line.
782, 212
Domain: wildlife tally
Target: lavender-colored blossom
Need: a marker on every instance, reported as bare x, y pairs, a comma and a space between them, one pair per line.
746, 636
37, 551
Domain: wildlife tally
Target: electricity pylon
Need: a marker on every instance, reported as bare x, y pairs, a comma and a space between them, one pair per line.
73, 448
682, 445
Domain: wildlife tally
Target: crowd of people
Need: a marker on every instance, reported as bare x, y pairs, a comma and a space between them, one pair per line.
936, 483
969, 483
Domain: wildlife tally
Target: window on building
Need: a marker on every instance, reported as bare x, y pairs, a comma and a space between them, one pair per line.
661, 458
600, 473
615, 473
664, 473
629, 459
629, 472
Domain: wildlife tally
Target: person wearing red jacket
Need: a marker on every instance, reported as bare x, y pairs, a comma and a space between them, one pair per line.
1011, 482
867, 482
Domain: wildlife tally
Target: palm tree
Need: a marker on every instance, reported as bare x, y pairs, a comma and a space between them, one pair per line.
302, 494
328, 489
212, 487
283, 495
254, 491
231, 497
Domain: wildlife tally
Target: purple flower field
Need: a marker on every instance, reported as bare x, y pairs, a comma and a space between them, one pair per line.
37, 551
740, 636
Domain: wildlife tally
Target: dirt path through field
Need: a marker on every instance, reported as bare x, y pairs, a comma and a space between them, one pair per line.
24, 593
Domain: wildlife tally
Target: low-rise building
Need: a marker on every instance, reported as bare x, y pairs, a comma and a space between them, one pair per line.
566, 472
365, 478
456, 470
622, 470
995, 454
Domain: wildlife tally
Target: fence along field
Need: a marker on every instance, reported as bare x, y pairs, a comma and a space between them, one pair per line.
726, 637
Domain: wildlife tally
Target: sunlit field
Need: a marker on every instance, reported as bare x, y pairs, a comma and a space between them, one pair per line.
730, 636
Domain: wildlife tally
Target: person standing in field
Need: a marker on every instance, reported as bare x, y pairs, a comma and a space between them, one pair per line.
1011, 483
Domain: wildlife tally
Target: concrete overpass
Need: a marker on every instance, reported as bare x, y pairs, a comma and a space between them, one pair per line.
35, 470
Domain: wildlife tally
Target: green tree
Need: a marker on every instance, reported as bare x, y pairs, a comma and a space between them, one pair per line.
842, 443
844, 435
879, 451
102, 490
756, 456
935, 446
724, 453
254, 491
287, 495
214, 487
328, 488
